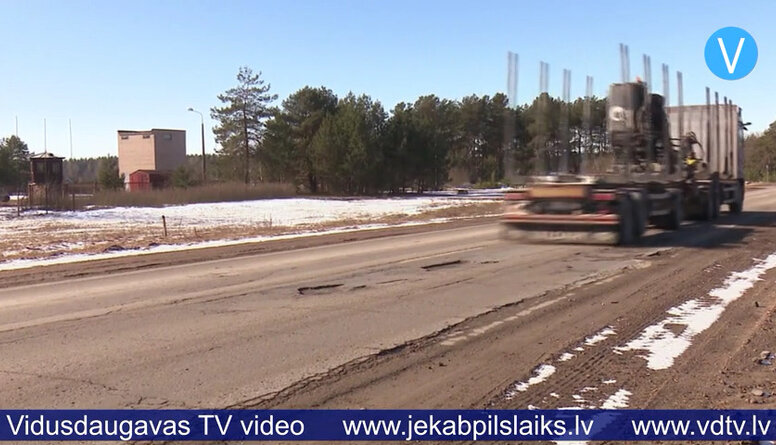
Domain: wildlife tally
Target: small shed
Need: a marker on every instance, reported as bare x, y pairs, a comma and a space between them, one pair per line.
142, 180
46, 187
46, 169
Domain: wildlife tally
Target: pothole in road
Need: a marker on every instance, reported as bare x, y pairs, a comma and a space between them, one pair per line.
436, 266
318, 290
385, 283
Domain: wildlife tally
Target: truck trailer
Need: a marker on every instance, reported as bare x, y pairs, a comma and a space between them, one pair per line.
660, 166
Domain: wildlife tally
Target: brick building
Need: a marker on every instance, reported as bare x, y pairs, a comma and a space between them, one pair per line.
154, 153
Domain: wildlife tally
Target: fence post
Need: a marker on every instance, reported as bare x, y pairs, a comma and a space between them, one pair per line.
164, 224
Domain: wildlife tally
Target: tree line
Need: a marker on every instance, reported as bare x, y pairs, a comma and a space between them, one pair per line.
323, 143
760, 155
352, 145
14, 163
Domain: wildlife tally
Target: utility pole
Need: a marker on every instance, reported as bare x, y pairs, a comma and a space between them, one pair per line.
70, 124
247, 150
202, 128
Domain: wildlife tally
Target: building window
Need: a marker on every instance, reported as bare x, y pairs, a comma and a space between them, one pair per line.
167, 137
146, 136
124, 137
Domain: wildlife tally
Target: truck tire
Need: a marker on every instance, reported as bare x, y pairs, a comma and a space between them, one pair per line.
707, 206
625, 230
737, 205
674, 219
716, 195
677, 215
640, 214
508, 233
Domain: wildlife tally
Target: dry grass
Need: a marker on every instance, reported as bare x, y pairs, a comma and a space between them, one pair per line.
222, 192
468, 210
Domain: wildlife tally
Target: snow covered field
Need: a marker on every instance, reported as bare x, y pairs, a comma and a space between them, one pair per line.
278, 212
38, 237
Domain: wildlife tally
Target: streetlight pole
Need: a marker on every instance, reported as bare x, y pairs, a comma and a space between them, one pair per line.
202, 127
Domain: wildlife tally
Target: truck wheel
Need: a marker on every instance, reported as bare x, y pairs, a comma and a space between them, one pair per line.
503, 232
737, 205
640, 214
509, 233
716, 195
707, 207
625, 230
674, 219
677, 214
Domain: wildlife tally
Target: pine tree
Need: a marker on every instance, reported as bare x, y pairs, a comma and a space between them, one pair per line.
108, 174
14, 162
347, 149
291, 131
241, 119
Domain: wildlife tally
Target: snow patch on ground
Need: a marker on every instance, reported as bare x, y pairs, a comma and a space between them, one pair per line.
67, 231
599, 336
618, 400
74, 258
540, 374
265, 212
594, 339
663, 346
583, 403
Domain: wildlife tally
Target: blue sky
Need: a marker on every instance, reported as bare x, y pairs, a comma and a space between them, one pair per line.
110, 65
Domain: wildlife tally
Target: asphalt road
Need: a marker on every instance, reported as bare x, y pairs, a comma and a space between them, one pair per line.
445, 318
